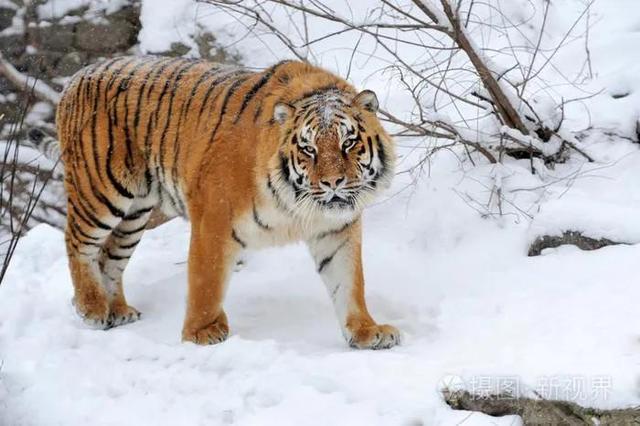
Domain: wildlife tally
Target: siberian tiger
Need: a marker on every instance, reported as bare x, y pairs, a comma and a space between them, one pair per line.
252, 159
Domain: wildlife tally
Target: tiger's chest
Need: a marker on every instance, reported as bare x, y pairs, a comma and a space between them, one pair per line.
266, 226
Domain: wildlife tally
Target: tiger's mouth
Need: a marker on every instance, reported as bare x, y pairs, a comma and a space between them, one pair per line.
338, 203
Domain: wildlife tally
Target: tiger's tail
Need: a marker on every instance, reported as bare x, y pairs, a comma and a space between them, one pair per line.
46, 144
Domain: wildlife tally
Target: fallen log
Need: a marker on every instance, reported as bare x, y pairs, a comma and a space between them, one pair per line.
575, 238
540, 411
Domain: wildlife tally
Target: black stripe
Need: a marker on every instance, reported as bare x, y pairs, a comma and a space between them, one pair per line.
276, 196
136, 114
122, 234
206, 156
89, 218
284, 167
77, 249
215, 84
79, 230
127, 134
223, 109
177, 142
382, 155
308, 114
129, 246
370, 145
174, 73
259, 222
257, 114
96, 194
116, 184
116, 73
186, 110
203, 78
335, 291
152, 117
334, 231
315, 92
155, 69
115, 76
237, 239
109, 276
293, 166
325, 262
137, 214
105, 66
93, 144
161, 148
71, 177
72, 174
102, 74
256, 87
112, 256
286, 171
160, 74
74, 117
81, 240
113, 209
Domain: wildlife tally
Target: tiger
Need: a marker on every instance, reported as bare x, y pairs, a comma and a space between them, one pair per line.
251, 159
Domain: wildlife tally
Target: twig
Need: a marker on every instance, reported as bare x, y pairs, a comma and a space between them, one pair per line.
40, 89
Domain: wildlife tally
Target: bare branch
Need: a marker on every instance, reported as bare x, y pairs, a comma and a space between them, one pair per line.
40, 89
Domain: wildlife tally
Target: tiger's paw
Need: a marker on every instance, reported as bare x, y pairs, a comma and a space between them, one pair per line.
210, 334
94, 312
374, 337
123, 314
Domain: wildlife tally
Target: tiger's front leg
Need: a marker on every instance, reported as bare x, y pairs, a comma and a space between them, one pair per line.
212, 254
339, 262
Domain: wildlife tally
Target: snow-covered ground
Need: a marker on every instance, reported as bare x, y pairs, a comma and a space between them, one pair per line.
471, 305
474, 309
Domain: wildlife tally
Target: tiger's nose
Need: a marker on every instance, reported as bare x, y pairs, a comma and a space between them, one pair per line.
333, 183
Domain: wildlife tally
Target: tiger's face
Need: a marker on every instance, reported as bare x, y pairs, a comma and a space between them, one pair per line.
334, 155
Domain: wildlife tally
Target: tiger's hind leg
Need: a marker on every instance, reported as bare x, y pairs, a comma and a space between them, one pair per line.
85, 235
114, 257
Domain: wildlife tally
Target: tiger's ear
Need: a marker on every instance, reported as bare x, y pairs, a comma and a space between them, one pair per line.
366, 100
281, 112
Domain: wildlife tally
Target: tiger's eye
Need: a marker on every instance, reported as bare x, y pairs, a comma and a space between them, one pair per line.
349, 143
309, 150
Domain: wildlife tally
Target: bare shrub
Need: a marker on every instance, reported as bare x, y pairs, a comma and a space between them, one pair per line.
18, 196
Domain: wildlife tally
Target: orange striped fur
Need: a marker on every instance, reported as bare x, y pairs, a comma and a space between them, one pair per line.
252, 159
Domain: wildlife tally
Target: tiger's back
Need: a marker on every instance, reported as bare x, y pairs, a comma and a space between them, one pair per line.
122, 124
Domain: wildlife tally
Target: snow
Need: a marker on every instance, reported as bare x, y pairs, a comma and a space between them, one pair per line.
441, 263
470, 304
161, 26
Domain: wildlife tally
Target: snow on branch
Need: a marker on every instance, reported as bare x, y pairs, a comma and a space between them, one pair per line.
39, 88
393, 26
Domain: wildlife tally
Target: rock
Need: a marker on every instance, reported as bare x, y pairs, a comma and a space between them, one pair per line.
209, 49
569, 237
12, 45
70, 63
54, 37
39, 64
540, 411
177, 49
118, 32
6, 17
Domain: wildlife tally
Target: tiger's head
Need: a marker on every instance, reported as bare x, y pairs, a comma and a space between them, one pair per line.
334, 156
